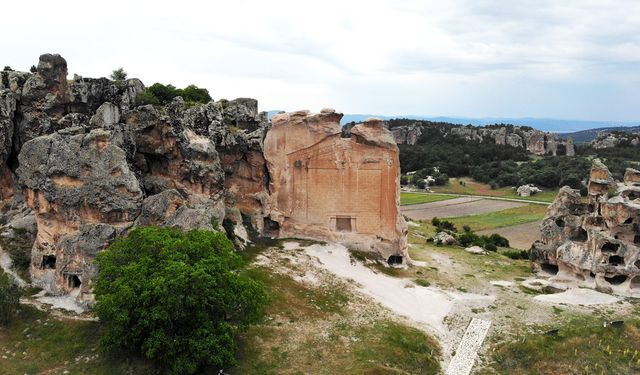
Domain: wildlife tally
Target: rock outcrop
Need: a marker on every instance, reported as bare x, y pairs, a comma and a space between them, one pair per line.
616, 139
81, 164
534, 141
597, 241
329, 187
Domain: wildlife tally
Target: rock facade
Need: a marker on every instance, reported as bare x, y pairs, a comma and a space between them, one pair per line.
597, 241
334, 188
81, 164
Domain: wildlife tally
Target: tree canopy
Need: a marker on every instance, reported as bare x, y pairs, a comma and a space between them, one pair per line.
178, 298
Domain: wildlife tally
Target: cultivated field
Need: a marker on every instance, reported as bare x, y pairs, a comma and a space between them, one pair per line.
467, 186
461, 206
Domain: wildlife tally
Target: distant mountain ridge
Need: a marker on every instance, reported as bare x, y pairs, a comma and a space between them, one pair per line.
562, 126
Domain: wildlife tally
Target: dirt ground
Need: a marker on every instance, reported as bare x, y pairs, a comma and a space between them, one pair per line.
519, 236
456, 207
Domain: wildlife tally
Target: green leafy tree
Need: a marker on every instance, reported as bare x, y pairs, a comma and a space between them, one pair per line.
178, 298
9, 298
119, 75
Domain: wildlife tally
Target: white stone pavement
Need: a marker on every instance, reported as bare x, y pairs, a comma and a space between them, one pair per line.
462, 362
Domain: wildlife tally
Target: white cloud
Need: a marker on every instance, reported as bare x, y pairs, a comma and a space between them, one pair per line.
542, 58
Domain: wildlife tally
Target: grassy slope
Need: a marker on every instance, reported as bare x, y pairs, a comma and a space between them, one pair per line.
311, 331
415, 198
36, 343
499, 219
582, 346
472, 187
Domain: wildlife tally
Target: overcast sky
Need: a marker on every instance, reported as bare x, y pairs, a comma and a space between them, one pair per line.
573, 59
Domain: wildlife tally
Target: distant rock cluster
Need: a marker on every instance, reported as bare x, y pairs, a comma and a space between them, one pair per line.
615, 139
534, 141
597, 241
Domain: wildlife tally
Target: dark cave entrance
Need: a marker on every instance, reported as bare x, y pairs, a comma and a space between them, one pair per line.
48, 262
271, 228
581, 235
394, 260
73, 281
610, 247
616, 260
550, 268
616, 280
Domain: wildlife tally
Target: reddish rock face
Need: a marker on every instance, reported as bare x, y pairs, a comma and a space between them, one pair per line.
327, 187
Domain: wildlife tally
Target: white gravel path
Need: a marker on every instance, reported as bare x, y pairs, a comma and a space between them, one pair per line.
462, 362
424, 305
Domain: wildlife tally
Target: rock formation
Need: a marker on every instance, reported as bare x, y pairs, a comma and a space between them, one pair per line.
611, 139
334, 188
535, 141
81, 163
597, 241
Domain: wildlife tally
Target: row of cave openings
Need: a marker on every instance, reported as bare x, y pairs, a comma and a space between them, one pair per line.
613, 280
72, 280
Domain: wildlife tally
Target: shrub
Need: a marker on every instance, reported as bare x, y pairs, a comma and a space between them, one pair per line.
443, 225
516, 254
119, 75
159, 94
468, 239
178, 298
9, 298
491, 247
498, 240
33, 69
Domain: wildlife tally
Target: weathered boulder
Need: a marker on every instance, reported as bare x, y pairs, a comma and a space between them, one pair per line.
527, 190
475, 250
444, 238
327, 187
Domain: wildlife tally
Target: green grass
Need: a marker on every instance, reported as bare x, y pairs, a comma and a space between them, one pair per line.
471, 187
582, 346
416, 198
499, 219
309, 330
59, 345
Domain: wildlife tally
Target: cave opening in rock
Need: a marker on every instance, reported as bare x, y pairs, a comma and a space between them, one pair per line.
560, 223
550, 268
343, 224
635, 283
394, 259
271, 228
580, 235
592, 275
48, 262
616, 260
609, 247
636, 239
73, 281
616, 280
629, 221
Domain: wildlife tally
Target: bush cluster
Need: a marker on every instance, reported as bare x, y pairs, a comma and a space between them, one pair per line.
468, 237
160, 94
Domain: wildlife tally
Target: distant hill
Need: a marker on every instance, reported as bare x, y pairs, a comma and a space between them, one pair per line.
590, 134
544, 124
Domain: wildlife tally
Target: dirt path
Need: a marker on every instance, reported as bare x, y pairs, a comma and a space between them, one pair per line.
520, 236
458, 207
5, 264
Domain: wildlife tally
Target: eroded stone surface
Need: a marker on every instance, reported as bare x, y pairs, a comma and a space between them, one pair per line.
340, 189
596, 241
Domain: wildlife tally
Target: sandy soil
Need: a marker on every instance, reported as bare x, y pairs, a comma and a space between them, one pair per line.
578, 296
457, 207
519, 236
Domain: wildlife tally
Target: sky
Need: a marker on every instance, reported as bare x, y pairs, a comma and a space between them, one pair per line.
569, 59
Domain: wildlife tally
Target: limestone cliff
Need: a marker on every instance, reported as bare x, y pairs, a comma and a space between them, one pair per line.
597, 241
81, 163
